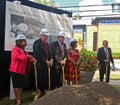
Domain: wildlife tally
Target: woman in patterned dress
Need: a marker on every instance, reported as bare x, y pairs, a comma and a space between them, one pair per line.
72, 65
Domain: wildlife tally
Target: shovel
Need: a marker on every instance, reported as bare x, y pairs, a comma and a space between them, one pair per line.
64, 83
37, 93
76, 75
106, 75
49, 79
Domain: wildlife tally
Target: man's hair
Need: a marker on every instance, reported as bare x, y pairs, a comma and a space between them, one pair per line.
104, 41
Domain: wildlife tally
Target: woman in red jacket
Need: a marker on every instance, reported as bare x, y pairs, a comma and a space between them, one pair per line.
18, 66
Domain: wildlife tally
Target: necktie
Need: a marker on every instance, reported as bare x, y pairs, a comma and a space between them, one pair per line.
107, 53
62, 50
46, 49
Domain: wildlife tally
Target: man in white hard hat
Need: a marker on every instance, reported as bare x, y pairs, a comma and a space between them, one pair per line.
42, 52
59, 53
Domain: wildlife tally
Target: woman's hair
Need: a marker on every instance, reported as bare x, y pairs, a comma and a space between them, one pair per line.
18, 43
72, 44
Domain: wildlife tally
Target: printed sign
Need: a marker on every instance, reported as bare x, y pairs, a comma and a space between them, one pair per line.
29, 21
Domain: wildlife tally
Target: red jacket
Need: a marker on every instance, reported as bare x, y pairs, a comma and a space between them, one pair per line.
18, 60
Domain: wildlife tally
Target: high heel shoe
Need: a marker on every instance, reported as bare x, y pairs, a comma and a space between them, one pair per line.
18, 102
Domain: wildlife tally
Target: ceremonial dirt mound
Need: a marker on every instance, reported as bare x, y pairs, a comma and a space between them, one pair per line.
95, 93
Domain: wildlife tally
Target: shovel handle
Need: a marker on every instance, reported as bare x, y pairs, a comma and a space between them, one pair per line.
49, 85
63, 75
36, 80
76, 74
106, 75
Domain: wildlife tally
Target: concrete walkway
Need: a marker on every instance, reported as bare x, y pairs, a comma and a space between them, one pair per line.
117, 63
112, 82
117, 72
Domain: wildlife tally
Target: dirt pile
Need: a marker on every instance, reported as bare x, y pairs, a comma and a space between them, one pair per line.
95, 93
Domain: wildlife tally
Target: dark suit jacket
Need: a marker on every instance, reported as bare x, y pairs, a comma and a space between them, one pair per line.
39, 52
56, 52
101, 55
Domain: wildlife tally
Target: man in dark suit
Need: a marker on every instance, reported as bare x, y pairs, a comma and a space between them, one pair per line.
42, 52
104, 55
59, 53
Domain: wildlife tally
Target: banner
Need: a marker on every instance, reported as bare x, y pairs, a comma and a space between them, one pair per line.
29, 21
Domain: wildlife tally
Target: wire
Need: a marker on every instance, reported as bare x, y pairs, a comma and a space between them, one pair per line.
100, 15
84, 6
92, 10
74, 10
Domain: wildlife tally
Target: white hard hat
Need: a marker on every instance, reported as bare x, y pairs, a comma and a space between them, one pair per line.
44, 31
61, 33
73, 40
20, 37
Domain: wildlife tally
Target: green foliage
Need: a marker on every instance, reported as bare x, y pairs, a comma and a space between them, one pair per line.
46, 2
88, 60
116, 55
76, 17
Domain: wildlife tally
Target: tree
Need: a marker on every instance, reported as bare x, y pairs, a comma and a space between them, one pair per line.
47, 2
76, 17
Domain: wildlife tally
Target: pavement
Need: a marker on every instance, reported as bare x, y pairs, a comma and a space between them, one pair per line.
111, 82
117, 63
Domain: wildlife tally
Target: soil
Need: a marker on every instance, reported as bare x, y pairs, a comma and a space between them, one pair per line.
95, 93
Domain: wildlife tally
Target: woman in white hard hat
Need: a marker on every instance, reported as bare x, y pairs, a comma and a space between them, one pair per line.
42, 52
73, 63
18, 66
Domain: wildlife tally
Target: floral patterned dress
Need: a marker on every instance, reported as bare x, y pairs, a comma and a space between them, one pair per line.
70, 67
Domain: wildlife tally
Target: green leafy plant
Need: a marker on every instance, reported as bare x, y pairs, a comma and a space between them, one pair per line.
88, 60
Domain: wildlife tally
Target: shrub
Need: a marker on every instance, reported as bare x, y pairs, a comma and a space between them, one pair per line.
88, 60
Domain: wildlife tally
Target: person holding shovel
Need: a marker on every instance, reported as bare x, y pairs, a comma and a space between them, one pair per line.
59, 53
42, 52
104, 55
72, 71
19, 67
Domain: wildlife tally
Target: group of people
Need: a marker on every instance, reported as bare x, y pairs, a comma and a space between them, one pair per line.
55, 56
